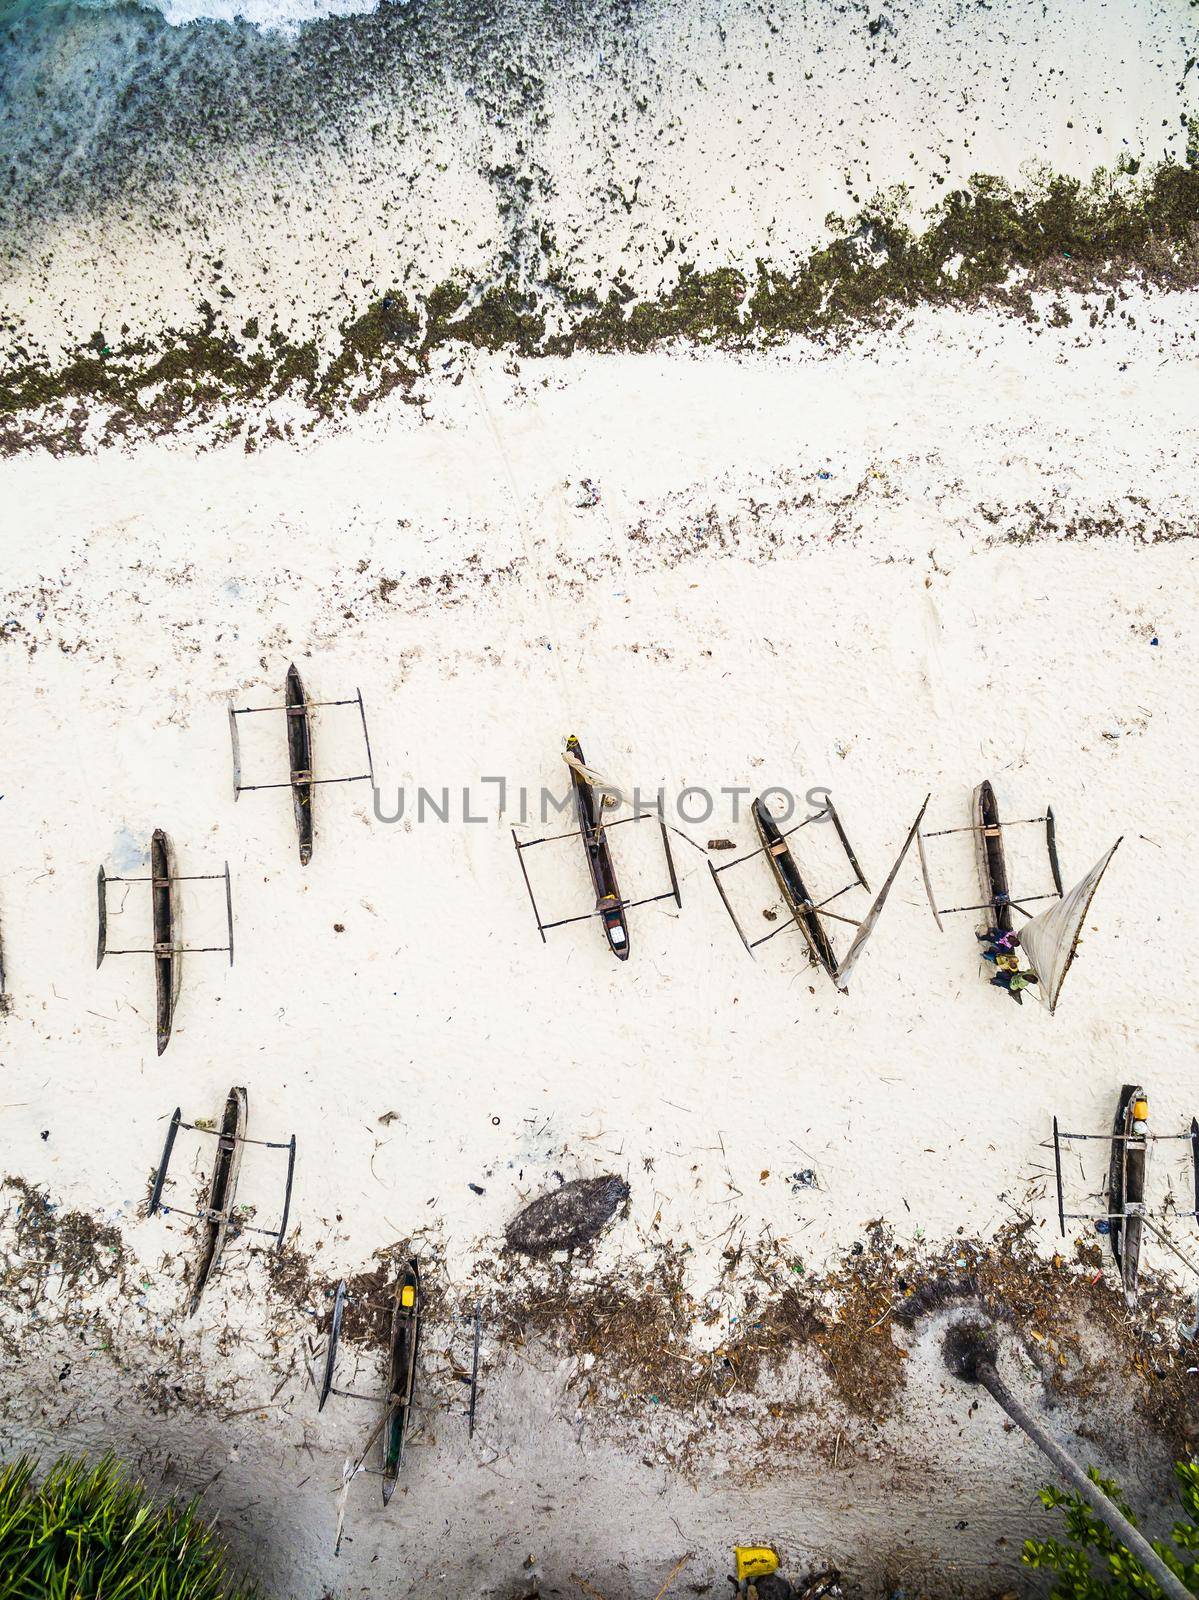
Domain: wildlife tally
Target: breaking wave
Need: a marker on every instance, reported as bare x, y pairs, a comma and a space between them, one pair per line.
281, 16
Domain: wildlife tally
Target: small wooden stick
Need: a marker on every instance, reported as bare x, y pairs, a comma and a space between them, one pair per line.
674, 1572
583, 1584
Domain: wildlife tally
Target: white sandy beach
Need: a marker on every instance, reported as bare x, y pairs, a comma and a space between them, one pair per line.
957, 550
821, 600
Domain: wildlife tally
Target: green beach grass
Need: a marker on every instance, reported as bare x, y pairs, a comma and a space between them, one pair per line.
88, 1531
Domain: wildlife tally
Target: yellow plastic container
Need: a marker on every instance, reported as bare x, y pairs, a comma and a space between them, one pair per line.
755, 1561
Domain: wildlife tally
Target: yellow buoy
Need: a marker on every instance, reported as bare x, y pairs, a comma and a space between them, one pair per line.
755, 1561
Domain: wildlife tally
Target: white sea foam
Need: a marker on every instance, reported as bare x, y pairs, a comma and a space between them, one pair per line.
279, 15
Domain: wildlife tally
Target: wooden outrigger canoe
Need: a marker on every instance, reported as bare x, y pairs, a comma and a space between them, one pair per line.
992, 864
401, 1374
608, 900
1126, 1185
218, 1215
339, 1306
168, 962
299, 753
793, 890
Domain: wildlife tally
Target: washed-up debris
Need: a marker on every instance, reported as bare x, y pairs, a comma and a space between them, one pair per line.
824, 1585
71, 1244
567, 1218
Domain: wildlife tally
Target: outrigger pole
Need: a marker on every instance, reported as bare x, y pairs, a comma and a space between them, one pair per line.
407, 1307
1126, 1215
328, 1372
673, 893
808, 907
167, 948
296, 707
173, 1128
399, 1398
804, 912
474, 1371
102, 948
313, 705
1064, 1216
218, 1216
988, 833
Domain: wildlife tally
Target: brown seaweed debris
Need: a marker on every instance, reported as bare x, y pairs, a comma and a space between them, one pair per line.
628, 1330
70, 1243
369, 1303
368, 1306
567, 1218
1006, 246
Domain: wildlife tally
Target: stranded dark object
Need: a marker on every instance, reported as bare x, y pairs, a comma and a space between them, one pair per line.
299, 757
218, 1219
1126, 1185
401, 1378
590, 794
599, 858
567, 1218
297, 708
167, 946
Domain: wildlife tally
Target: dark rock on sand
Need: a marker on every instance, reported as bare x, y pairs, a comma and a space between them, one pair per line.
567, 1218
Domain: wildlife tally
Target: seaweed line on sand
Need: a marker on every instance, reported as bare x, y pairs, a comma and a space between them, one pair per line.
984, 245
776, 1350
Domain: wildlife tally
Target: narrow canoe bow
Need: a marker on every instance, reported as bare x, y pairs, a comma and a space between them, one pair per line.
299, 754
218, 1216
608, 900
401, 1374
1126, 1185
793, 889
168, 961
992, 863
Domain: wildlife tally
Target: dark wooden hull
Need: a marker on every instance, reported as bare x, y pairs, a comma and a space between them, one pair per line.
992, 864
164, 895
339, 1307
793, 890
223, 1190
299, 755
401, 1374
1126, 1187
599, 860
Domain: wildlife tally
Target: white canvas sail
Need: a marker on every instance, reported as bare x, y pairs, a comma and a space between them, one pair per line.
866, 926
1050, 939
603, 786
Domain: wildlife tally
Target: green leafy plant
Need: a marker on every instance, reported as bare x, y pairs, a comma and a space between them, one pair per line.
90, 1532
1116, 1574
